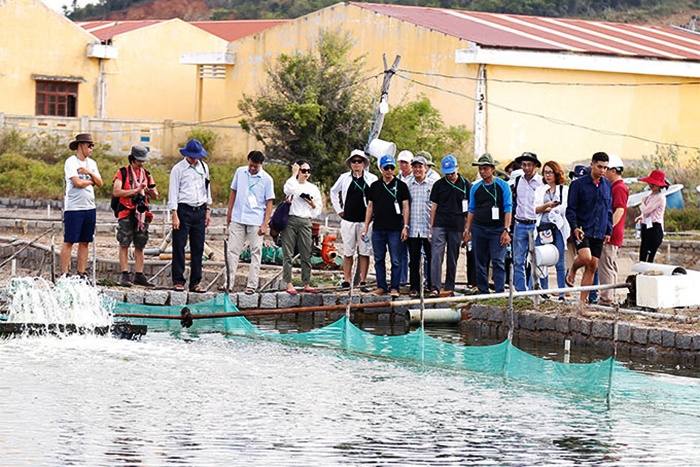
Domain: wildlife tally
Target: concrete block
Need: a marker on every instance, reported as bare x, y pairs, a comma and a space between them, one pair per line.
115, 294
602, 330
246, 302
200, 297
311, 299
284, 300
683, 341
655, 336
546, 323
268, 300
496, 314
234, 299
343, 299
640, 335
668, 338
178, 298
563, 324
135, 296
528, 320
624, 332
376, 299
156, 297
582, 326
330, 299
477, 312
695, 343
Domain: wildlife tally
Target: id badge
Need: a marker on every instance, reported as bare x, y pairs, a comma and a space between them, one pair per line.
252, 201
465, 205
364, 198
397, 208
648, 223
495, 215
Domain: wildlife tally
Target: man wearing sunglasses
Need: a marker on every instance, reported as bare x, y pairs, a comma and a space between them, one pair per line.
389, 200
349, 199
79, 210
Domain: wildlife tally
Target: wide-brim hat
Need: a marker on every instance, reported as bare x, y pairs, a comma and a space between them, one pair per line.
194, 150
139, 153
485, 159
656, 177
529, 156
80, 138
358, 153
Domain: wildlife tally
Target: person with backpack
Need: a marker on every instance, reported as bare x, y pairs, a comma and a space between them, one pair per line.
189, 197
132, 188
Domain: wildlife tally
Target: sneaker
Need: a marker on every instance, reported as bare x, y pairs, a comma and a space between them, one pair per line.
364, 288
125, 280
394, 293
140, 279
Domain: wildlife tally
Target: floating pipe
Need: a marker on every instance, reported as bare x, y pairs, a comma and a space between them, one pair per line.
435, 316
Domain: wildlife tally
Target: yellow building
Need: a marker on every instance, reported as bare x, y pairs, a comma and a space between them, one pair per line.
559, 87
44, 65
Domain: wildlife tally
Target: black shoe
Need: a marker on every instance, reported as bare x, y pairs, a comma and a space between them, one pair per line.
364, 288
125, 280
345, 285
140, 279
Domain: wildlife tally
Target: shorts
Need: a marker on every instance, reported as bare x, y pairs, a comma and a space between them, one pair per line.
595, 244
79, 226
127, 233
350, 233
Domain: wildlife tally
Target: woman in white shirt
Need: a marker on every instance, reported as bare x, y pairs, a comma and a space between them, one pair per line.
550, 207
307, 203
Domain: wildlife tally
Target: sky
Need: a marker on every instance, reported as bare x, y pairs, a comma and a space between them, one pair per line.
58, 4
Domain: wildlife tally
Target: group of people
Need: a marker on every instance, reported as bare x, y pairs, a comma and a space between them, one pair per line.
416, 217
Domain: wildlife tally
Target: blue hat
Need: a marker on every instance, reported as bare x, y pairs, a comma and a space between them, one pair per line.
194, 150
579, 171
387, 159
449, 164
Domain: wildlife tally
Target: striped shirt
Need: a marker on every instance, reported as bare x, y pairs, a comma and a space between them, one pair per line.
420, 207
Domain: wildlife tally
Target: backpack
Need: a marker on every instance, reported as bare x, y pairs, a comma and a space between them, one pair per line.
115, 205
279, 218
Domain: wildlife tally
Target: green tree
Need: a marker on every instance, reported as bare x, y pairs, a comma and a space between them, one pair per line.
417, 125
313, 106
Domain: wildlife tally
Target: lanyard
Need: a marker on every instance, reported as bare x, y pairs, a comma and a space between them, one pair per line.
392, 193
458, 188
494, 195
193, 167
250, 187
362, 188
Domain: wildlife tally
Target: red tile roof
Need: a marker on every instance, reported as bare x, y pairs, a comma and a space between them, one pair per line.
227, 30
549, 34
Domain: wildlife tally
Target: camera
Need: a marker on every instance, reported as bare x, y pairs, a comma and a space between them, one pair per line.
140, 203
306, 196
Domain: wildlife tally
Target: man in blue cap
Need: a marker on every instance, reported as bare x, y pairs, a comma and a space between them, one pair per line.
450, 202
388, 197
189, 197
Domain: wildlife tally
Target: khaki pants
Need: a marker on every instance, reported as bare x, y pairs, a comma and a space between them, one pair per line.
607, 271
238, 234
297, 234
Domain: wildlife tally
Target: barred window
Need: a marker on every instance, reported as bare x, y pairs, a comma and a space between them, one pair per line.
57, 98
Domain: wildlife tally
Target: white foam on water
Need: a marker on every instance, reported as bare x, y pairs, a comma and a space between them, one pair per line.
70, 301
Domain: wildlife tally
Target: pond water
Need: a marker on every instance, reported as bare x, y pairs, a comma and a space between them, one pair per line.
212, 400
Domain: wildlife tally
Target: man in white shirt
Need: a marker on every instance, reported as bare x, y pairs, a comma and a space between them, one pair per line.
189, 197
79, 210
349, 199
525, 218
249, 210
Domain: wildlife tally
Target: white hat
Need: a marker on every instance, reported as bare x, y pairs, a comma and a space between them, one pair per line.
614, 162
405, 156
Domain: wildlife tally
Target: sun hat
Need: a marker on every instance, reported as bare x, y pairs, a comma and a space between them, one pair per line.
448, 164
405, 156
419, 160
80, 138
194, 150
139, 153
485, 159
358, 153
656, 177
529, 156
387, 159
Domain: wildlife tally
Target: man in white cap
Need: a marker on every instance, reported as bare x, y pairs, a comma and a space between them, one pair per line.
349, 199
404, 159
607, 266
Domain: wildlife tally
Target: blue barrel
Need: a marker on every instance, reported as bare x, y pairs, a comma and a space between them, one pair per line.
674, 197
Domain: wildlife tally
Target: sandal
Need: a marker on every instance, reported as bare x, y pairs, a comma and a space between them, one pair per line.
292, 291
197, 289
310, 290
435, 293
179, 287
569, 282
249, 291
413, 293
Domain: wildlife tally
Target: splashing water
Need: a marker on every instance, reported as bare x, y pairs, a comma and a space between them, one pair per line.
70, 301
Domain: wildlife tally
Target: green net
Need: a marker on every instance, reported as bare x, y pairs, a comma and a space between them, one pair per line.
606, 380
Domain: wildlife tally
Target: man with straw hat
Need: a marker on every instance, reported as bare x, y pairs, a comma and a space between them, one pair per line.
79, 210
488, 224
349, 199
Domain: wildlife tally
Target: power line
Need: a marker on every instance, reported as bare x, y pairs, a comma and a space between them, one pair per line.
554, 120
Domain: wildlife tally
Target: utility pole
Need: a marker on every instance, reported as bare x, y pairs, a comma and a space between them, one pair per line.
383, 107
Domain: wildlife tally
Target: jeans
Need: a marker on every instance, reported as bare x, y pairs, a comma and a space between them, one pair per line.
403, 267
452, 239
381, 241
521, 235
192, 226
486, 244
560, 243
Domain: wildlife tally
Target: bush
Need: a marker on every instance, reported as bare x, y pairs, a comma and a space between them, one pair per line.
207, 137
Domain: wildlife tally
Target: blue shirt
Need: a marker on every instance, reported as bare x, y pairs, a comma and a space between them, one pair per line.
252, 193
590, 207
484, 197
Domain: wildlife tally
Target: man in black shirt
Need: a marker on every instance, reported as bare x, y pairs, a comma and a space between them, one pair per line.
349, 199
450, 199
388, 211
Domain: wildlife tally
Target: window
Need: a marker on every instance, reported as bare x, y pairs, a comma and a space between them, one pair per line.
58, 98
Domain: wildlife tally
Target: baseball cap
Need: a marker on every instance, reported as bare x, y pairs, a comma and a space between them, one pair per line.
387, 159
405, 156
449, 164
